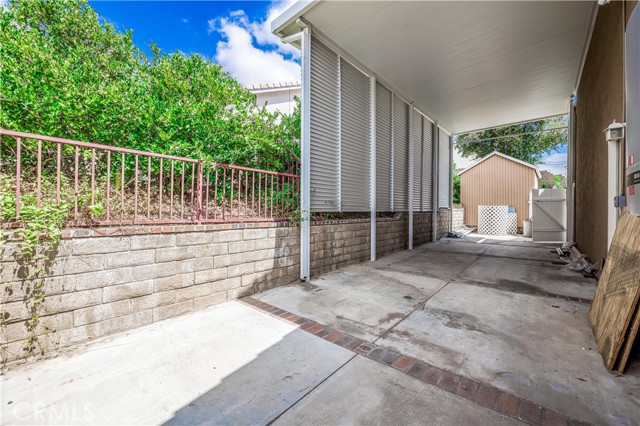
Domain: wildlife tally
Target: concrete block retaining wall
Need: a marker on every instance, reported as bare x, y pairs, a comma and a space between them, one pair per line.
108, 280
458, 218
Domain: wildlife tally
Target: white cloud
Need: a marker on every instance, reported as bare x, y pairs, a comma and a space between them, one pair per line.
262, 30
555, 163
250, 52
461, 162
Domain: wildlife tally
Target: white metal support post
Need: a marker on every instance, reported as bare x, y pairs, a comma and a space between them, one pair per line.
434, 183
411, 142
450, 183
393, 150
305, 146
570, 169
372, 170
339, 159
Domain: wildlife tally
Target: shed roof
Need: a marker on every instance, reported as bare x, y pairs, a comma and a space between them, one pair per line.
515, 160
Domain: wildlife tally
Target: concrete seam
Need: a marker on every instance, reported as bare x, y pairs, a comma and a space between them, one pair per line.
418, 306
270, 422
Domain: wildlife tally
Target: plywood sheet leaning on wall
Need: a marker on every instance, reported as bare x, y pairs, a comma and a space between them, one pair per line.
614, 313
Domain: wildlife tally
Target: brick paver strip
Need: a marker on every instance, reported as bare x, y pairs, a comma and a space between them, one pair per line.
530, 412
551, 418
507, 404
449, 382
390, 357
316, 328
483, 394
467, 388
403, 363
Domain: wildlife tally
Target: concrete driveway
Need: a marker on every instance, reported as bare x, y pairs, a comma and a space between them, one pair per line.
469, 332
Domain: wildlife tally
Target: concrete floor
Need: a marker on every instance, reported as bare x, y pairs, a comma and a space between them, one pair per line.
465, 316
451, 304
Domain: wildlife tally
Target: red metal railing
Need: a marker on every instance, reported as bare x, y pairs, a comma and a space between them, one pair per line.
106, 185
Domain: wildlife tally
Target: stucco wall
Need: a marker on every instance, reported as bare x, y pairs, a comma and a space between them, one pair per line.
280, 100
600, 101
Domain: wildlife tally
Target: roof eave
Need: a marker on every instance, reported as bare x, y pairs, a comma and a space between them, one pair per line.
290, 15
505, 156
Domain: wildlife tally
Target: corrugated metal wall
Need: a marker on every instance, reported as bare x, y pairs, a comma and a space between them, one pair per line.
497, 181
340, 131
324, 128
383, 148
400, 155
427, 165
355, 138
417, 159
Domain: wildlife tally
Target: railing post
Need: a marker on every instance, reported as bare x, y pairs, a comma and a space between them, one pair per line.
18, 160
199, 192
285, 185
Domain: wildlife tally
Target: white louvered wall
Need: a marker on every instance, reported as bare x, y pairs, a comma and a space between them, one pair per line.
417, 159
340, 131
427, 165
400, 155
444, 169
355, 141
324, 128
383, 148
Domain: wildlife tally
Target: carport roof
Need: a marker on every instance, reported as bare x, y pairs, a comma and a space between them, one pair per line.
471, 65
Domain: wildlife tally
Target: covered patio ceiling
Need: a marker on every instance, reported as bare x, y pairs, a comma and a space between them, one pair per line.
470, 65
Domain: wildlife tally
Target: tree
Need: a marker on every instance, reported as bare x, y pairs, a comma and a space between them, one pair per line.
456, 184
528, 142
66, 73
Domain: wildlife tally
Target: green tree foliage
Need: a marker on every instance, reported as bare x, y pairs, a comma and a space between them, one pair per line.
66, 73
456, 184
559, 182
528, 142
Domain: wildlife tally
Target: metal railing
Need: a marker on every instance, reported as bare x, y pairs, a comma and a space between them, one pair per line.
107, 185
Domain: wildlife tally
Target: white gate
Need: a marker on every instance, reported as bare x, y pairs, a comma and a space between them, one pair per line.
549, 215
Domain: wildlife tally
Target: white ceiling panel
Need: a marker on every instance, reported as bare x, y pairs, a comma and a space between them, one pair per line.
470, 65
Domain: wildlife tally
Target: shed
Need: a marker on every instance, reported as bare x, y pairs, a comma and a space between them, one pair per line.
497, 179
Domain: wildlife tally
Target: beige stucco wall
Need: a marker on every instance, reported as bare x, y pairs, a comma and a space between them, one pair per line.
279, 100
600, 101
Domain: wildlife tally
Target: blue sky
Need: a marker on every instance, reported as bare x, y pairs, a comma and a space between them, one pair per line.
555, 162
235, 34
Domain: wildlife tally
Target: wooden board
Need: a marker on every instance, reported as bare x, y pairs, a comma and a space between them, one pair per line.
628, 342
616, 298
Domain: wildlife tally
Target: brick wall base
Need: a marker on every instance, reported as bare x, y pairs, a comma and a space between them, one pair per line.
109, 280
